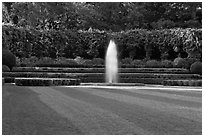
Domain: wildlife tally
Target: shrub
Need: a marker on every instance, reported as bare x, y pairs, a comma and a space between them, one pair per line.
196, 67
126, 61
166, 64
88, 62
184, 62
176, 60
29, 62
152, 64
138, 63
45, 60
60, 62
98, 61
79, 60
180, 63
71, 62
65, 61
5, 68
18, 62
8, 59
189, 62
70, 43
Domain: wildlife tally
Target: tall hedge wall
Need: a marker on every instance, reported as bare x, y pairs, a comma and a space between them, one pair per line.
136, 44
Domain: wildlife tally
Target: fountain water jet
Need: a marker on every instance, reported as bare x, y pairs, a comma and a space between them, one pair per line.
111, 63
111, 67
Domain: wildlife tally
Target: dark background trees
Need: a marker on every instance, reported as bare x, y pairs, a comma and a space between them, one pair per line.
111, 16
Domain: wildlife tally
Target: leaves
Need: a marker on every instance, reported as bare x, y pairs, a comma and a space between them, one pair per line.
93, 43
114, 16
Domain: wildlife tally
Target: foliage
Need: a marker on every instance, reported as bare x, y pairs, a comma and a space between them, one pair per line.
138, 63
79, 60
63, 60
184, 62
126, 61
45, 60
98, 61
176, 61
8, 59
29, 62
190, 61
182, 82
135, 44
152, 64
180, 62
166, 63
114, 16
196, 67
45, 82
5, 68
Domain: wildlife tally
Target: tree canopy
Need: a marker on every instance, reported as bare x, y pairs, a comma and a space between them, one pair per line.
110, 16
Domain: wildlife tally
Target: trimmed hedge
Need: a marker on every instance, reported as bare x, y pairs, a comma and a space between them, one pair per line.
99, 63
182, 82
100, 70
71, 65
121, 80
9, 79
100, 75
45, 81
137, 43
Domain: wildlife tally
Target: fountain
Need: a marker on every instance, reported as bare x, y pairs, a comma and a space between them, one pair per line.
111, 63
111, 69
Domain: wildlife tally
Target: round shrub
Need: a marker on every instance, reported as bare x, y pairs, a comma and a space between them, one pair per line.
5, 68
196, 68
176, 60
8, 59
79, 60
180, 63
153, 64
189, 62
98, 61
166, 64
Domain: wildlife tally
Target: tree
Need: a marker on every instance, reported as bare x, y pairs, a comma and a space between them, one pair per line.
112, 16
